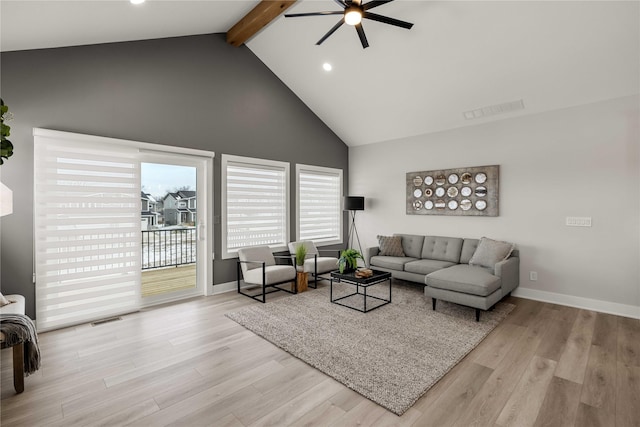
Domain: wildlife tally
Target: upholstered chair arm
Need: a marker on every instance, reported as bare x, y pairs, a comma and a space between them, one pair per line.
370, 252
509, 273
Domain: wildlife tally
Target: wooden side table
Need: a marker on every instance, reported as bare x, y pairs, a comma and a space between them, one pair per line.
303, 281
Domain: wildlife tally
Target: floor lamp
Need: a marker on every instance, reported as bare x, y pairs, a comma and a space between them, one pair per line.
353, 204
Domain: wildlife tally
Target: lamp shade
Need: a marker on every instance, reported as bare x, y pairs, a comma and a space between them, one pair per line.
354, 203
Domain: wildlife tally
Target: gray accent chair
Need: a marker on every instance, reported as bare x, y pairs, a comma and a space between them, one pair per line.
257, 266
314, 263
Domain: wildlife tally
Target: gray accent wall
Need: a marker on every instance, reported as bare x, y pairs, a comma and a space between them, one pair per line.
197, 92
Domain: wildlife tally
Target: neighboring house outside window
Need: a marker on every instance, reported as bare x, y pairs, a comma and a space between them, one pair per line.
177, 208
149, 217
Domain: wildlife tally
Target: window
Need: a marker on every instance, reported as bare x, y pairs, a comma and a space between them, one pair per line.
255, 204
319, 209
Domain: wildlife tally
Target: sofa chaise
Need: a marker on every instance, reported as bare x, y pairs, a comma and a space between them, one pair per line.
472, 272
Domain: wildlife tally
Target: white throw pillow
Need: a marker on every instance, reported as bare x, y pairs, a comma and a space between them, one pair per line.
489, 252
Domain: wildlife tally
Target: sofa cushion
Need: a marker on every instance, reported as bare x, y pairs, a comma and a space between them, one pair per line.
464, 278
325, 264
392, 262
489, 252
442, 248
426, 266
468, 248
390, 246
412, 244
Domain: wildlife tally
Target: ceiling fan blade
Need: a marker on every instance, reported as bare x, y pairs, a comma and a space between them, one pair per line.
375, 3
341, 3
387, 20
334, 12
363, 38
331, 31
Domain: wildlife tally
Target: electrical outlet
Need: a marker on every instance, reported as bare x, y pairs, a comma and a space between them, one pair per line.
533, 276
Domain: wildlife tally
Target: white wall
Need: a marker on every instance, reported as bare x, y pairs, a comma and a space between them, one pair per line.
581, 161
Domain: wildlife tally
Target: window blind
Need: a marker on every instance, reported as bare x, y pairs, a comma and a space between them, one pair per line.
319, 209
87, 230
256, 204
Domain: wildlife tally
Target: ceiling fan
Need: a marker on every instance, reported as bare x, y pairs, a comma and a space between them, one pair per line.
352, 14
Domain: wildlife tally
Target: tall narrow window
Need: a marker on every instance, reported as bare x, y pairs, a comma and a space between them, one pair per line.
87, 229
319, 192
255, 204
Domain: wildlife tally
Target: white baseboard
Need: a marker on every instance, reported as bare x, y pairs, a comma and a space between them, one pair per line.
579, 302
221, 288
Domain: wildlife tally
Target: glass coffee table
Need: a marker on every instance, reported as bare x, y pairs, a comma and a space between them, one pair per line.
361, 285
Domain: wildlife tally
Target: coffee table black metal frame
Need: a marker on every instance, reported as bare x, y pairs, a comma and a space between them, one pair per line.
364, 283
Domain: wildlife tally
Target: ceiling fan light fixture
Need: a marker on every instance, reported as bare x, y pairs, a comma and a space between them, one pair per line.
136, 1
353, 16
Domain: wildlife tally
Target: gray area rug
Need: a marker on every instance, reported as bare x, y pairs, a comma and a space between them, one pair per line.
391, 355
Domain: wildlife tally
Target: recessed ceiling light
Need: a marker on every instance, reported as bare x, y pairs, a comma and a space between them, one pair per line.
136, 1
327, 66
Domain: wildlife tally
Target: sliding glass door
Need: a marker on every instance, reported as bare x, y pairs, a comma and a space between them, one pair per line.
101, 223
171, 229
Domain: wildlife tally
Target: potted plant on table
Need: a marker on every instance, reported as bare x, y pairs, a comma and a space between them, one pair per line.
348, 260
302, 279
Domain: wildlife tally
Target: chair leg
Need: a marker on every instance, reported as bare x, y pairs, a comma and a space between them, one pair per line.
433, 304
264, 281
18, 367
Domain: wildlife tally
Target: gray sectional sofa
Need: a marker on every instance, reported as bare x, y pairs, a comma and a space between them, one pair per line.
442, 264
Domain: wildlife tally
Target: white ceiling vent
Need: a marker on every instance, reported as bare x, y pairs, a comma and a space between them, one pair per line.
492, 110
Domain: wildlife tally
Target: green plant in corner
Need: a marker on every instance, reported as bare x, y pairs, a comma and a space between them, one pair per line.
349, 260
301, 254
6, 147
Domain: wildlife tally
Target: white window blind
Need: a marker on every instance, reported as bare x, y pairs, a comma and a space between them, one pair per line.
87, 230
255, 203
319, 204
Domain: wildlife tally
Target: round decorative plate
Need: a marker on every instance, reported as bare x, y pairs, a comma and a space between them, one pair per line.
428, 205
428, 192
452, 191
465, 191
428, 180
481, 205
481, 177
453, 205
440, 180
453, 178
417, 192
417, 181
417, 205
440, 204
481, 191
465, 205
466, 178
439, 191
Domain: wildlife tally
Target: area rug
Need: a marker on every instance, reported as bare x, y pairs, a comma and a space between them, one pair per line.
391, 355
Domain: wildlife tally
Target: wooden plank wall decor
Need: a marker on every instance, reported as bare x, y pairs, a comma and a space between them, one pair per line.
471, 191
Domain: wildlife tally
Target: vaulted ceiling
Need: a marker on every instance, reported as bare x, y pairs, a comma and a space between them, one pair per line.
460, 56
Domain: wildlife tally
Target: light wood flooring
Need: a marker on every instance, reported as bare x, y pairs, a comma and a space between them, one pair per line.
186, 364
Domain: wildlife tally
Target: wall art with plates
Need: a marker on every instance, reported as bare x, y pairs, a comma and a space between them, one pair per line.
469, 191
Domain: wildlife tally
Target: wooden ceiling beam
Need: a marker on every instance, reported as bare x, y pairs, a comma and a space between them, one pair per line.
259, 17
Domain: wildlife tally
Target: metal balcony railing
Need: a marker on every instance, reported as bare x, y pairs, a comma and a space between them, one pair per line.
166, 248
